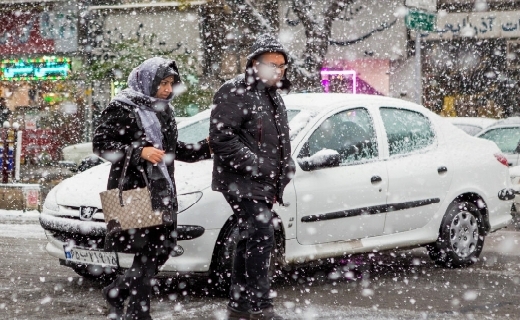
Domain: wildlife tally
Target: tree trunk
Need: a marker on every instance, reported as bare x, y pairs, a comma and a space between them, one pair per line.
307, 72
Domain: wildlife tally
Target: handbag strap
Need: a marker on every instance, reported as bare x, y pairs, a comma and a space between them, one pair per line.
128, 156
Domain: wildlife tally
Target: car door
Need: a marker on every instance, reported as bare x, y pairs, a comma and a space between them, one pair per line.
340, 200
418, 169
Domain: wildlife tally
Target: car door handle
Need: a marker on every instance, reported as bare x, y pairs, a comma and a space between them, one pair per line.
376, 179
442, 169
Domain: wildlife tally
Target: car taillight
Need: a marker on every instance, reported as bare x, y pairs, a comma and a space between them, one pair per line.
502, 159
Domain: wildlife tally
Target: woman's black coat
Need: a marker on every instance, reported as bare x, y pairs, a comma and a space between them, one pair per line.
120, 129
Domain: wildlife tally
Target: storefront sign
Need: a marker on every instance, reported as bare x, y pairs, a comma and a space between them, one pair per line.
46, 68
420, 20
481, 25
26, 32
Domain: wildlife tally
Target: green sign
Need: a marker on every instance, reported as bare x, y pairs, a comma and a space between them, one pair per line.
45, 68
420, 20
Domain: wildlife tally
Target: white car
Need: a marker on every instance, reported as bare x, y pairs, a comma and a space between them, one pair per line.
506, 134
471, 125
375, 173
77, 152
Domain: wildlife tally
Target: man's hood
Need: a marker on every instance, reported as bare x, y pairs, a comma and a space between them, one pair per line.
266, 43
83, 189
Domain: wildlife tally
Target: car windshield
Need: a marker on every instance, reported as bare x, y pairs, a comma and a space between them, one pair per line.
469, 129
505, 138
199, 130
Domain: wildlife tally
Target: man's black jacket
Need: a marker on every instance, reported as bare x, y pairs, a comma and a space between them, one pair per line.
249, 136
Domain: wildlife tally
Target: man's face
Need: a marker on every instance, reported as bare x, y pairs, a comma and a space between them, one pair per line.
270, 68
165, 88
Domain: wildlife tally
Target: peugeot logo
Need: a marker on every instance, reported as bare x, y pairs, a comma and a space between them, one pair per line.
86, 213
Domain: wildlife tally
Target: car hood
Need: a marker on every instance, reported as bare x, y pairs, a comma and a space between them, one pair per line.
83, 189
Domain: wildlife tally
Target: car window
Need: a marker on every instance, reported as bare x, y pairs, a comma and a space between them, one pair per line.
506, 138
407, 131
350, 133
194, 132
469, 129
291, 113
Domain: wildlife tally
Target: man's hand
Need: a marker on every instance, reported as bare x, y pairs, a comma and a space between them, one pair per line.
152, 154
210, 151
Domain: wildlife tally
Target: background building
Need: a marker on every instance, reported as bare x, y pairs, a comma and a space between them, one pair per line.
471, 61
38, 50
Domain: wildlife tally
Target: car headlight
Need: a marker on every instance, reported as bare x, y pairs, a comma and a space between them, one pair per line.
186, 200
50, 201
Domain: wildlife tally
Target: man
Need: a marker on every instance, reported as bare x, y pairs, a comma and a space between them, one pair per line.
249, 136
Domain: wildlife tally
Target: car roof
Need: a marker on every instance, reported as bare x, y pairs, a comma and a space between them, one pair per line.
511, 121
502, 123
323, 103
327, 101
474, 121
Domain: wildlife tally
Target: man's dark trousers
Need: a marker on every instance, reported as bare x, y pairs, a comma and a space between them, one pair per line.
250, 283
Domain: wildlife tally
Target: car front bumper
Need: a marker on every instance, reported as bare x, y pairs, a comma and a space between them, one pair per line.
194, 240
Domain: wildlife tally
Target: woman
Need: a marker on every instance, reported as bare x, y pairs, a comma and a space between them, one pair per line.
139, 121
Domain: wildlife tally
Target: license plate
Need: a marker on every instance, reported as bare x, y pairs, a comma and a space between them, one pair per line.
86, 256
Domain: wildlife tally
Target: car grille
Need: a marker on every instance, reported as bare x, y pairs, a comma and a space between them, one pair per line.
79, 239
76, 209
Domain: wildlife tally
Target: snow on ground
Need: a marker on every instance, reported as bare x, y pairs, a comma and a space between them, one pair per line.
314, 312
19, 216
22, 231
20, 224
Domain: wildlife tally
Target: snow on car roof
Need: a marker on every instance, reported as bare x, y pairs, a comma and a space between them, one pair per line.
475, 121
511, 121
327, 101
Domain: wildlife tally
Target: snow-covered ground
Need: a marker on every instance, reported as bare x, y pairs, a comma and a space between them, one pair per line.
19, 216
20, 224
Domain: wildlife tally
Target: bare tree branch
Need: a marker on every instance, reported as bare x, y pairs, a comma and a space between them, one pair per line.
318, 33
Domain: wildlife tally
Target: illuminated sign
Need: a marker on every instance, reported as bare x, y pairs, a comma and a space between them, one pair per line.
341, 73
46, 68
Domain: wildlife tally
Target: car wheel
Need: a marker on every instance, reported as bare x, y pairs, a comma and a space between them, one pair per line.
223, 258
95, 273
461, 236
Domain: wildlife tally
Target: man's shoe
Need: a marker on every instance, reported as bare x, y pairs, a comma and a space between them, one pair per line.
116, 306
265, 314
234, 314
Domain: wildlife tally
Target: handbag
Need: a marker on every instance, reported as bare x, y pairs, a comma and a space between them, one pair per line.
131, 209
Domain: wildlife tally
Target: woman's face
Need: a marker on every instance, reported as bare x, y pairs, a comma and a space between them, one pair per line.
165, 88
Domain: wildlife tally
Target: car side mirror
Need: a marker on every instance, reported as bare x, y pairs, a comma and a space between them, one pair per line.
517, 150
323, 159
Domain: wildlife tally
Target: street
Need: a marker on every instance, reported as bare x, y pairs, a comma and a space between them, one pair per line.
387, 285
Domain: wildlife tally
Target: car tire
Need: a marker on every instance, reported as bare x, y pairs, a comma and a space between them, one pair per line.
224, 254
461, 236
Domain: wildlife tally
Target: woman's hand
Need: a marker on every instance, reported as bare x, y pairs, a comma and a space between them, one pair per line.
152, 154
